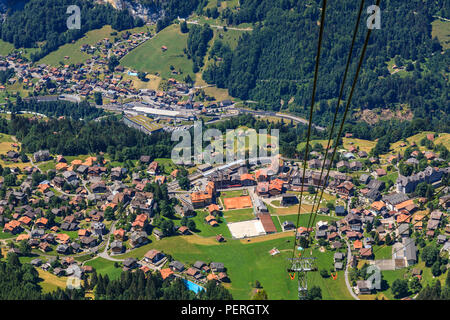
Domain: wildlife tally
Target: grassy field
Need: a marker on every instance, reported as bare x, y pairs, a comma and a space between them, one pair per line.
254, 263
363, 145
205, 230
167, 165
441, 30
384, 252
72, 50
5, 48
238, 215
391, 176
150, 58
443, 138
103, 266
50, 282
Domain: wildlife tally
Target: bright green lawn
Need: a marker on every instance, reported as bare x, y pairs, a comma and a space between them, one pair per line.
150, 58
246, 263
205, 230
238, 215
103, 266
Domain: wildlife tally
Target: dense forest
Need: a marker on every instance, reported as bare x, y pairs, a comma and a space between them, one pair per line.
45, 20
73, 137
197, 44
276, 61
82, 110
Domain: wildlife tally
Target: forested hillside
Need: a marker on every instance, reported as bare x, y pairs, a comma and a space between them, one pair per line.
74, 137
45, 20
82, 110
275, 62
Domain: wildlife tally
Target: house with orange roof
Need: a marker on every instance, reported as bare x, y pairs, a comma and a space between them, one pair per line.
166, 273
76, 162
200, 199
21, 237
377, 206
247, 179
41, 222
83, 233
140, 222
403, 218
211, 220
62, 238
13, 227
43, 187
62, 166
261, 175
276, 187
119, 234
357, 244
25, 220
213, 209
160, 180
174, 173
408, 203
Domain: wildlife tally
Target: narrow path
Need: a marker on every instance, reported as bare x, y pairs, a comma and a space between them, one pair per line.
347, 282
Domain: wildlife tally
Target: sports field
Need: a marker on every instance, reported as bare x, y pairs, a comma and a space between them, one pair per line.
238, 203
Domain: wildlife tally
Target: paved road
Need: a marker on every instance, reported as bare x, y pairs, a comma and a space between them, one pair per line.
347, 282
278, 115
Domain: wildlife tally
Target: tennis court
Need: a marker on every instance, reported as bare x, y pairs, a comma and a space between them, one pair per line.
238, 203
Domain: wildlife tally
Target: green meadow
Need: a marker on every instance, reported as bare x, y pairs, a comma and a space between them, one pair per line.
149, 57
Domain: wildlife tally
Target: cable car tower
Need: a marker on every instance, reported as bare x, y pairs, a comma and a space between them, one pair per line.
301, 266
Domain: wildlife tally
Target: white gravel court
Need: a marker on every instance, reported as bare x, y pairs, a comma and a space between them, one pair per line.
246, 229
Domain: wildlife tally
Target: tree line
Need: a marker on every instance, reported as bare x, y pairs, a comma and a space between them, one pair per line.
73, 137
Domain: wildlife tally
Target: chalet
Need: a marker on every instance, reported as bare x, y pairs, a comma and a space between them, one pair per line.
153, 168
356, 165
345, 188
130, 263
176, 266
217, 267
364, 286
247, 179
88, 242
41, 155
366, 253
288, 200
117, 247
99, 187
376, 185
158, 234
153, 256
63, 249
288, 225
138, 238
365, 178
